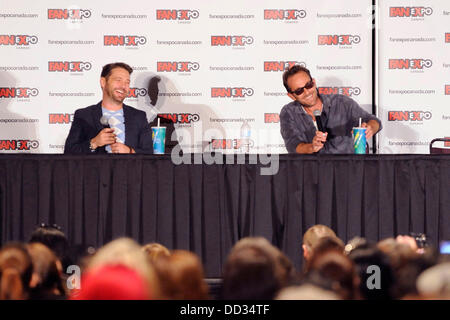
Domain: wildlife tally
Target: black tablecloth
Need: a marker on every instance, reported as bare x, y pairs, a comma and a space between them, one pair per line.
207, 208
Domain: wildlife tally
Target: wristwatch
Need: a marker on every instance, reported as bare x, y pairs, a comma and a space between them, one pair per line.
91, 146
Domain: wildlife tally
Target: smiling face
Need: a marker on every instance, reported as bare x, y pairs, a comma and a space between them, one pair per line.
309, 97
116, 86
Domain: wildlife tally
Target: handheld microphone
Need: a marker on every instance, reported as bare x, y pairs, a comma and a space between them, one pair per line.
104, 120
317, 114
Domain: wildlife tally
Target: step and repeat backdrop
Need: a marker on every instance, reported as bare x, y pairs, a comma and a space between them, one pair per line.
212, 66
208, 65
413, 74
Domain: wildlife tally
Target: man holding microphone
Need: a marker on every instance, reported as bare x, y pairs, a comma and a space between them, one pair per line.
110, 126
315, 123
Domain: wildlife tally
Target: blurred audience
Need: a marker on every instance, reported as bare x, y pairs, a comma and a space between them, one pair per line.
46, 282
155, 250
181, 276
404, 267
16, 270
255, 269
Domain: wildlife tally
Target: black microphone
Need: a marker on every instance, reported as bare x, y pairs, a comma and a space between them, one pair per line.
104, 120
317, 114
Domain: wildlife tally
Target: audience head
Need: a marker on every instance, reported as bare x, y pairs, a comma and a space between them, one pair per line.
284, 269
113, 282
16, 269
312, 238
155, 250
126, 252
435, 282
407, 264
181, 276
54, 239
307, 292
46, 282
369, 260
333, 265
250, 272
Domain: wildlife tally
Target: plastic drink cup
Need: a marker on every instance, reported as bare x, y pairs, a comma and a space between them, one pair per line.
159, 139
359, 140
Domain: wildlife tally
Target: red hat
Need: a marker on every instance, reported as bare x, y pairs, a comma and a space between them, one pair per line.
112, 282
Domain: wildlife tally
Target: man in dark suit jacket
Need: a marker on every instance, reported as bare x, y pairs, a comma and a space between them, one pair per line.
132, 133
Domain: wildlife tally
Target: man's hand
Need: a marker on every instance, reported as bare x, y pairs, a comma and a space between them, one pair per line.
319, 139
121, 148
104, 137
371, 128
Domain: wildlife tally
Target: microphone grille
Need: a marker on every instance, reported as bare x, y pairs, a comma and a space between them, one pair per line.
317, 113
104, 120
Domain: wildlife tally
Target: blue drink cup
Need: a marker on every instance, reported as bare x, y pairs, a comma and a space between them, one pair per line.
159, 139
359, 140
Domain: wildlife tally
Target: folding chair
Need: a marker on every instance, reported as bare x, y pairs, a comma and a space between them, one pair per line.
436, 150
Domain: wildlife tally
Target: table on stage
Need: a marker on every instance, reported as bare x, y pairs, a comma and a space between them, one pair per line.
207, 208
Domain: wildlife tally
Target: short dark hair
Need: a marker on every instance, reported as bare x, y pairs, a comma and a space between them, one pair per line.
289, 72
106, 71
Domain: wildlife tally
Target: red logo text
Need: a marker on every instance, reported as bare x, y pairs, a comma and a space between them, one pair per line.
127, 41
177, 66
271, 118
18, 144
177, 14
410, 11
17, 40
409, 115
69, 66
18, 92
410, 63
231, 41
348, 91
60, 118
181, 117
335, 40
284, 14
231, 92
64, 14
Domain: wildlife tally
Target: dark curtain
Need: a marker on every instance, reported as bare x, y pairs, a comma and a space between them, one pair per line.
207, 208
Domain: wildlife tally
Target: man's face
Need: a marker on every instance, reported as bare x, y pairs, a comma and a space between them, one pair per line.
309, 96
117, 85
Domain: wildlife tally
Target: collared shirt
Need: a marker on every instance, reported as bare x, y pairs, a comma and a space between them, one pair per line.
339, 115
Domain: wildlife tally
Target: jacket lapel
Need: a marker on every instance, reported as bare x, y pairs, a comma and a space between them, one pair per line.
96, 115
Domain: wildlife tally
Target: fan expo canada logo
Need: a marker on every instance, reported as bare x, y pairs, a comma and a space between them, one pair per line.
60, 118
177, 66
73, 67
181, 16
239, 93
447, 37
414, 117
72, 15
414, 65
19, 145
18, 93
277, 66
236, 42
271, 118
447, 90
341, 41
347, 91
415, 13
127, 41
135, 93
18, 41
285, 15
229, 144
181, 119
